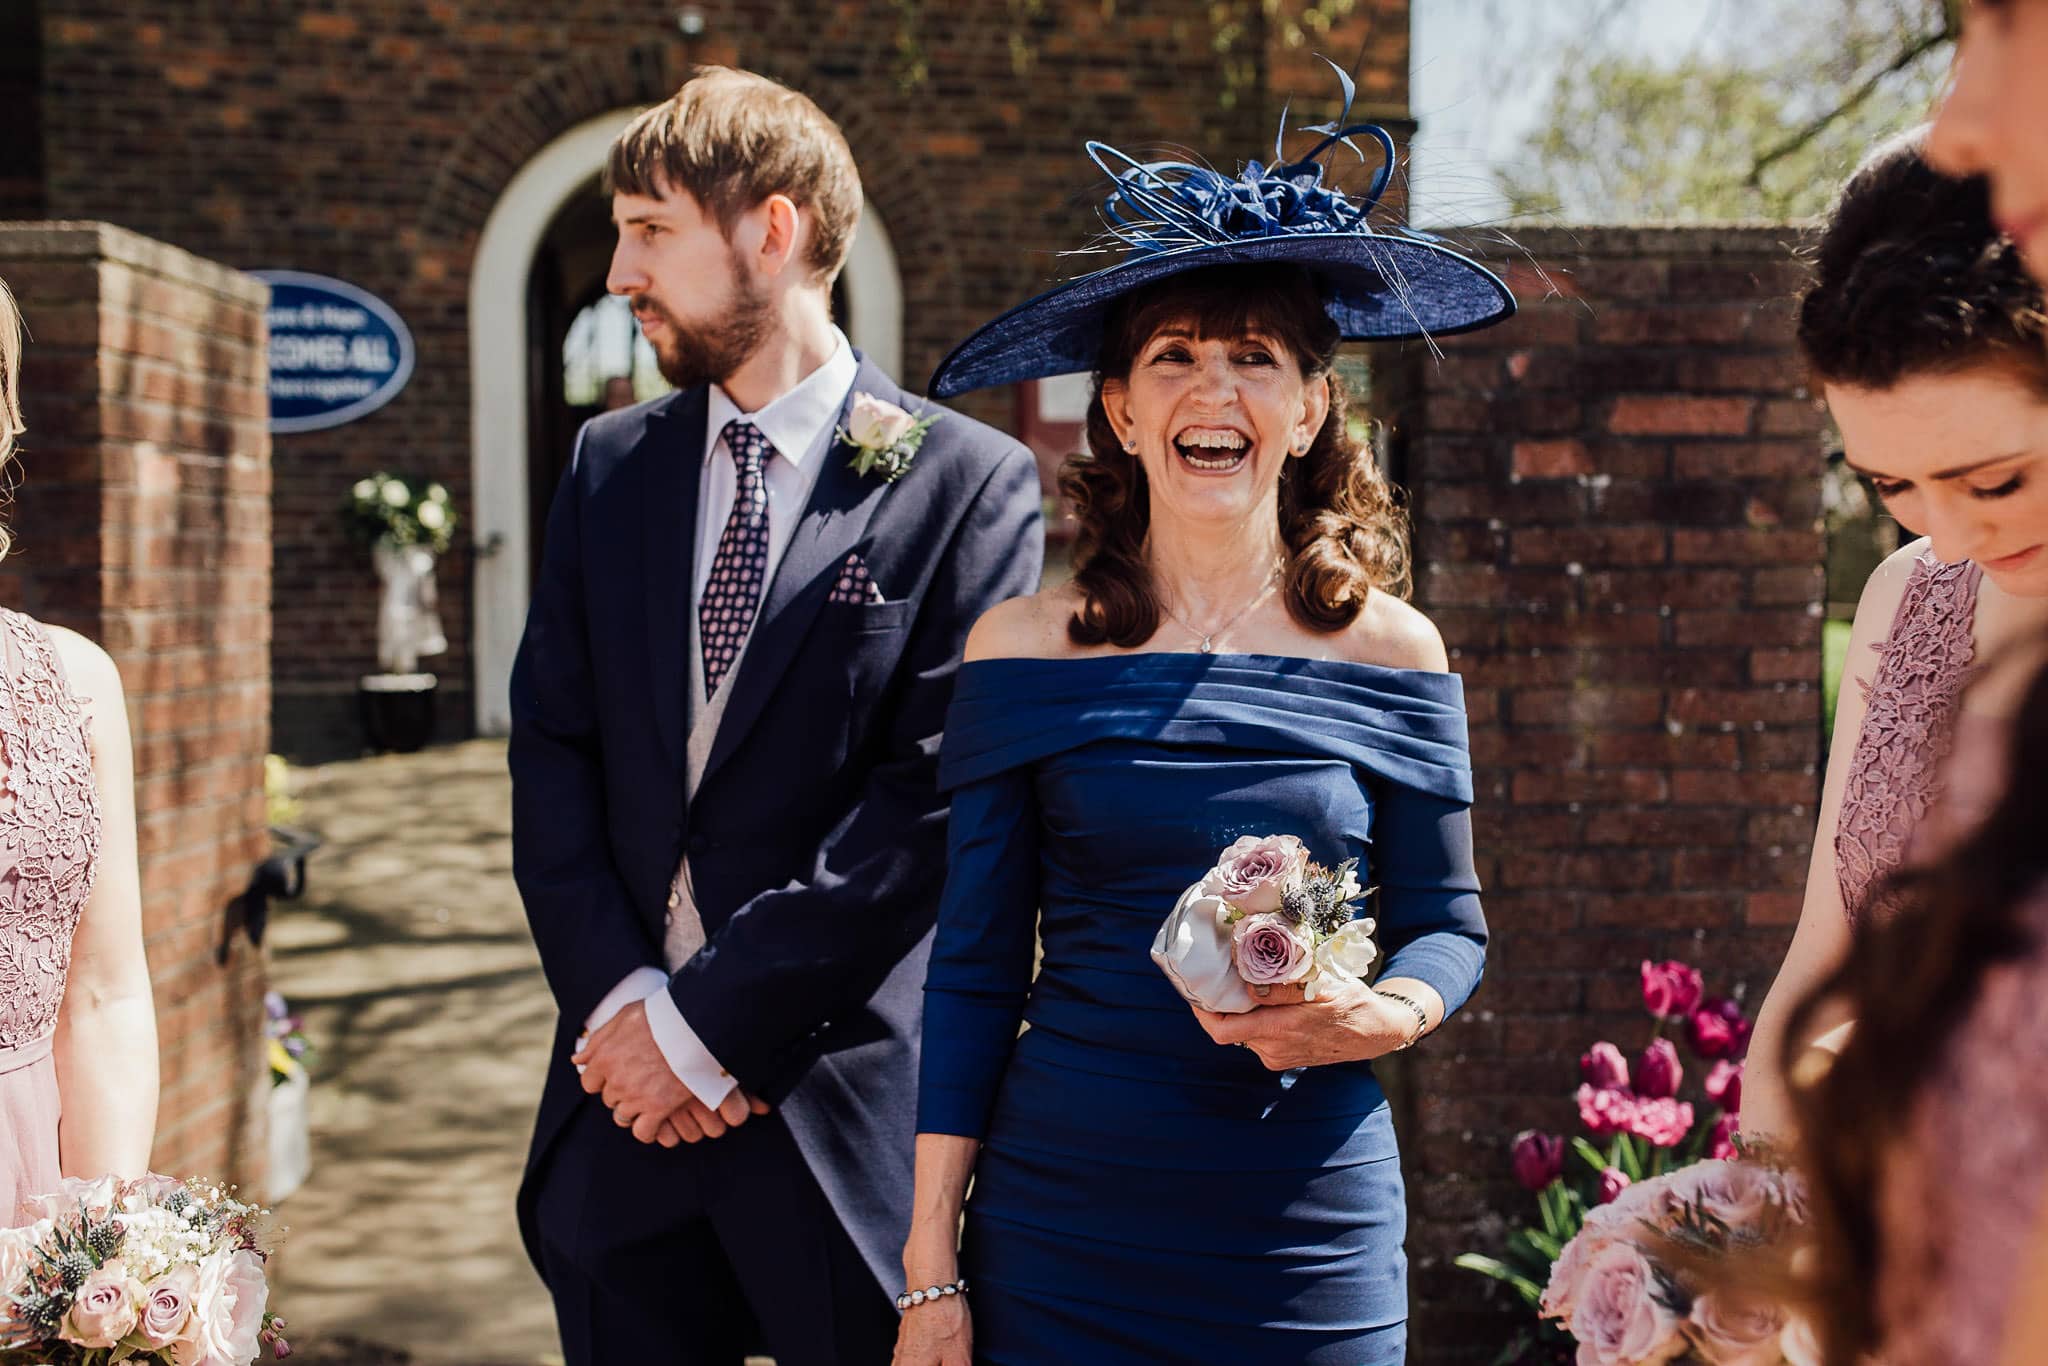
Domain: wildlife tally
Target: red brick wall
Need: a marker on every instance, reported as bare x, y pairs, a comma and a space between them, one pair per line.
1618, 500
143, 521
371, 140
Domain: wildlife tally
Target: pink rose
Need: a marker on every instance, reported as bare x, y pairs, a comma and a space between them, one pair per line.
877, 423
228, 1310
1618, 1320
1721, 1147
1254, 871
1671, 990
1603, 1066
1613, 1181
1738, 1194
1720, 1030
1538, 1159
17, 1254
1724, 1085
1605, 1113
167, 1308
1737, 1330
103, 1310
1657, 1071
1664, 1122
75, 1195
148, 1192
1271, 951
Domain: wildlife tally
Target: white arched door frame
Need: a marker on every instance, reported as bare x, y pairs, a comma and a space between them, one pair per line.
497, 380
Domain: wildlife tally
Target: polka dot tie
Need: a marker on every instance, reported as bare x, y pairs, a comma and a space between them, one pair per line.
733, 594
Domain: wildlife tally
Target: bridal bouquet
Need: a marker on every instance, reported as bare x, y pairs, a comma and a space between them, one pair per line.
154, 1271
1630, 1286
1265, 926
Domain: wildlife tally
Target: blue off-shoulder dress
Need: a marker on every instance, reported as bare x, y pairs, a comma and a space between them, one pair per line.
1143, 1194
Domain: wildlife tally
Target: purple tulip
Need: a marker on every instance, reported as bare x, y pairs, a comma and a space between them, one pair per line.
1658, 1072
1613, 1182
1671, 989
1603, 1068
1538, 1159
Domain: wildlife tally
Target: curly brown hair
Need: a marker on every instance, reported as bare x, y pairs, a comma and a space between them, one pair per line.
1344, 528
1912, 277
1909, 981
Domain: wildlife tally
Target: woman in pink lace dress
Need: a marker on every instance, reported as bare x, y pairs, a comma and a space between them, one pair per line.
78, 1066
1923, 1142
1928, 337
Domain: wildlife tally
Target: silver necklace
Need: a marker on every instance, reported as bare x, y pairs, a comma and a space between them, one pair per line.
1208, 638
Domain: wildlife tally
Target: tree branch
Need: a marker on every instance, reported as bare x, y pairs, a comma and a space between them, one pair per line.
1911, 53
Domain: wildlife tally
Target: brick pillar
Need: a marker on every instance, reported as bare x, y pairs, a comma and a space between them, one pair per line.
143, 521
1618, 502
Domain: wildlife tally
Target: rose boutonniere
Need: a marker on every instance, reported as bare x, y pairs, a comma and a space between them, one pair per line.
883, 436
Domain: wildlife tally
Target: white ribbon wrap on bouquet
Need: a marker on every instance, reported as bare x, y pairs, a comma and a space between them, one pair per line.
1193, 949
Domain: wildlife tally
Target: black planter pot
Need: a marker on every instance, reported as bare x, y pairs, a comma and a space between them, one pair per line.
397, 711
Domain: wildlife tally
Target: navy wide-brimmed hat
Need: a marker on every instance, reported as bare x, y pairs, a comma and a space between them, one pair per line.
1173, 216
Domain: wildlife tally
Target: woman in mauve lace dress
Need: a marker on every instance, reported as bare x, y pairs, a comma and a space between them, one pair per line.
1923, 1139
1927, 335
78, 1065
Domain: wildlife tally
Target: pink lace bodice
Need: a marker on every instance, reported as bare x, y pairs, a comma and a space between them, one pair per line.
49, 832
1894, 774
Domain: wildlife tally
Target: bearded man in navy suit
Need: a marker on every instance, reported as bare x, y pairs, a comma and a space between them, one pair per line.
726, 716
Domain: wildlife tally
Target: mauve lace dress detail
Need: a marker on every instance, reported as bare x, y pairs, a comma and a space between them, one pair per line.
49, 843
1895, 772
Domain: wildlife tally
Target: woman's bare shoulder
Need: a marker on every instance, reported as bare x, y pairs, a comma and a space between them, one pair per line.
1395, 635
1029, 627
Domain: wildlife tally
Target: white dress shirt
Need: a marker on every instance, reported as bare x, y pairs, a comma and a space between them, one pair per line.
800, 425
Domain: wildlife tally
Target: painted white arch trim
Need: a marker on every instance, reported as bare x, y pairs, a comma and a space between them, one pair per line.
497, 379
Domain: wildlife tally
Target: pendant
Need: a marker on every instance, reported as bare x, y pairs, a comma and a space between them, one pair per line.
1207, 647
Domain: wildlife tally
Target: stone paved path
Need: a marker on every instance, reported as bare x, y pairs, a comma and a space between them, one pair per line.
411, 962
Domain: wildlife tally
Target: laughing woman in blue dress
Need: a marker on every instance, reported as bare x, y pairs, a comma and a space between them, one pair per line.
1151, 1182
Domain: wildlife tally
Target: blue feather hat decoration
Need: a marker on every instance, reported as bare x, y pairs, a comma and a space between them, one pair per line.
1166, 217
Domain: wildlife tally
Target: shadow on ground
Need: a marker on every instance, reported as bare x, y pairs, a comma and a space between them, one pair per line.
410, 960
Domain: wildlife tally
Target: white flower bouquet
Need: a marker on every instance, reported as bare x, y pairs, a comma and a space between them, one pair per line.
1265, 926
155, 1271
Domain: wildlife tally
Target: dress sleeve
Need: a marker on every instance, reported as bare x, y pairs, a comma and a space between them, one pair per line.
1431, 927
980, 973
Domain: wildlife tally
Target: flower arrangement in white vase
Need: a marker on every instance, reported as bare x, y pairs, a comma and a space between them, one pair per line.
405, 523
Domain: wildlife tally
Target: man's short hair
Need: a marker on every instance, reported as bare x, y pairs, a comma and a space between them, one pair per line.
732, 138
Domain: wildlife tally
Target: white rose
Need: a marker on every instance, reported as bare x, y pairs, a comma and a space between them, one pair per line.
438, 493
877, 423
395, 494
1345, 957
433, 516
226, 1327
16, 1253
366, 489
1193, 949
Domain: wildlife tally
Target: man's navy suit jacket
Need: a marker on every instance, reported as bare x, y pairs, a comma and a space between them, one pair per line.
816, 836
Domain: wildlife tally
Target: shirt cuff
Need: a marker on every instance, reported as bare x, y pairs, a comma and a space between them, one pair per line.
638, 983
687, 1056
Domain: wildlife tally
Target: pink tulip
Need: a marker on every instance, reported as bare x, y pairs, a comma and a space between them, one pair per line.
1538, 1159
1664, 1122
1603, 1067
1671, 989
1613, 1182
1721, 1147
1724, 1086
1605, 1112
1657, 1071
1720, 1030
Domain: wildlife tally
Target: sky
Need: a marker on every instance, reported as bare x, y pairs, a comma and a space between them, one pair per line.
1481, 71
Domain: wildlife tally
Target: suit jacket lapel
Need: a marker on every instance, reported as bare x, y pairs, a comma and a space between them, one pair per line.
836, 517
671, 467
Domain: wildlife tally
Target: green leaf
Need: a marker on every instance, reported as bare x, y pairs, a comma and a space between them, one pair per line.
1591, 1154
1531, 1292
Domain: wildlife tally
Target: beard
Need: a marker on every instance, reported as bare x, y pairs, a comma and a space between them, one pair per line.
710, 350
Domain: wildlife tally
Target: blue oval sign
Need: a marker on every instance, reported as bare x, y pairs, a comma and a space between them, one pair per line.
336, 352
